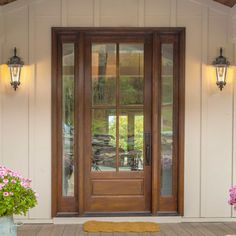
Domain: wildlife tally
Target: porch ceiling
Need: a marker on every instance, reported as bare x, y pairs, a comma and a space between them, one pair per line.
4, 2
229, 3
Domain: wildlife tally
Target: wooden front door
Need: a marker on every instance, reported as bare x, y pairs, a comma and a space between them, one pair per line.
118, 124
117, 121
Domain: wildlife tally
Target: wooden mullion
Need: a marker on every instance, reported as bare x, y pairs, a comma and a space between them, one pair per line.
87, 120
175, 120
79, 117
54, 137
181, 111
117, 104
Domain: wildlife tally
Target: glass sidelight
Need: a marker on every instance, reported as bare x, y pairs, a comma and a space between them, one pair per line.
117, 107
68, 119
166, 118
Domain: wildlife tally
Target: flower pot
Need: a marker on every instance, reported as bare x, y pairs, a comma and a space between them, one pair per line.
7, 226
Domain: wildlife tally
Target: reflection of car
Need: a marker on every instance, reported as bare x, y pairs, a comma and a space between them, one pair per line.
104, 154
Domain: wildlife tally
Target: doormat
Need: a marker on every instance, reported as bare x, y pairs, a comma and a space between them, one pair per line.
103, 226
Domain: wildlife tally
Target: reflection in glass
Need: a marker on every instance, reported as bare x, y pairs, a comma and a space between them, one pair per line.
103, 140
131, 140
131, 74
68, 119
167, 119
117, 134
104, 74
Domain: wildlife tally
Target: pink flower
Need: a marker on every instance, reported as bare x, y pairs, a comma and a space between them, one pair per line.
232, 196
2, 172
13, 181
24, 184
5, 181
5, 194
1, 186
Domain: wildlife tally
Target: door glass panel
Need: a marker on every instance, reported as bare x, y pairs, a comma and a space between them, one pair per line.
104, 74
166, 119
131, 140
68, 119
131, 66
103, 140
117, 134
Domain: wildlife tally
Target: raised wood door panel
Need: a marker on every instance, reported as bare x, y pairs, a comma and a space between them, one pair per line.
117, 178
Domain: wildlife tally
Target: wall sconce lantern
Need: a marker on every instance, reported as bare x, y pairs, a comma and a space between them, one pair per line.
221, 64
15, 64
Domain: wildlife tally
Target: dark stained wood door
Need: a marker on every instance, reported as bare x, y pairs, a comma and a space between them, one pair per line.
117, 121
118, 124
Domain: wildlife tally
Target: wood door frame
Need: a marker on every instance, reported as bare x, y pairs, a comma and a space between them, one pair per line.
76, 33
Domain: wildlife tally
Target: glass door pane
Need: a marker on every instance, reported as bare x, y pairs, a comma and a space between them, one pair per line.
131, 139
131, 66
103, 74
103, 140
117, 107
103, 107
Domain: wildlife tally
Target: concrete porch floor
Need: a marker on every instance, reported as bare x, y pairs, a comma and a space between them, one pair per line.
182, 229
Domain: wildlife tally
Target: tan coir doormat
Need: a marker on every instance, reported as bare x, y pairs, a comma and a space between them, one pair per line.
103, 226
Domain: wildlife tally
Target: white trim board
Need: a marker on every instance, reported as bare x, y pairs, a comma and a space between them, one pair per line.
81, 220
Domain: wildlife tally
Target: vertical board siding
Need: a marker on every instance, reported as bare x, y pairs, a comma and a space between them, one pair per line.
234, 132
217, 158
209, 113
80, 12
14, 106
40, 106
14, 113
1, 77
114, 14
192, 114
157, 13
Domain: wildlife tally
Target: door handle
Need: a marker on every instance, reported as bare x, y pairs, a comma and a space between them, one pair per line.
148, 149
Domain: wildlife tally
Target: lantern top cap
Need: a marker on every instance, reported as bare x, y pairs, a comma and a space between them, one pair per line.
221, 60
15, 60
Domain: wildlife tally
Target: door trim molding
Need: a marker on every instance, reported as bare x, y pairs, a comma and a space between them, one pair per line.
77, 33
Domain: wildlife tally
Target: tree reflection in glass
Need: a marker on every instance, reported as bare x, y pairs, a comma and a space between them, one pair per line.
103, 140
167, 119
68, 119
104, 74
131, 74
131, 140
117, 128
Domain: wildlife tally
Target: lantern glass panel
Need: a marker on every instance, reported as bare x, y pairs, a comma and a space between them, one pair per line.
15, 73
221, 73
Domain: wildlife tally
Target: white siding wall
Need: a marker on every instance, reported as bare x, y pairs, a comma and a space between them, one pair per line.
1, 43
25, 115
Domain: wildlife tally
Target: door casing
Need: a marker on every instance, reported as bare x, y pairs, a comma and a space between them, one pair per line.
75, 206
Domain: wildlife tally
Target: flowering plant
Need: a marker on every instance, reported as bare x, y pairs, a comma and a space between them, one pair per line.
16, 195
232, 196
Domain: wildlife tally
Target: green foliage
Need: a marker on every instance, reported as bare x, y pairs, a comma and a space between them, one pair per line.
68, 100
16, 196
